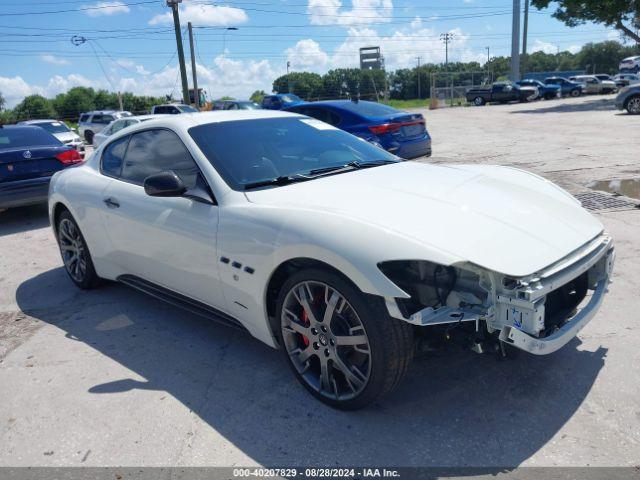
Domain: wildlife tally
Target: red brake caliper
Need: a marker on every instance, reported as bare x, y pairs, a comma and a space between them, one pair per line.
305, 319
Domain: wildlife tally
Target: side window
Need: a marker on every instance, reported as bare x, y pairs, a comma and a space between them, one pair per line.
173, 110
84, 118
97, 119
266, 101
160, 110
155, 151
106, 119
112, 157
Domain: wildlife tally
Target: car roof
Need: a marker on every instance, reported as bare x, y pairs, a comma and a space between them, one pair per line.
188, 120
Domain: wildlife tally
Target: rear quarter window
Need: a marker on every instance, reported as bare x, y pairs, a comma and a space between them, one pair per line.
113, 156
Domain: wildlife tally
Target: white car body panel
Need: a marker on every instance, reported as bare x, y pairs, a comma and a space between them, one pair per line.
497, 218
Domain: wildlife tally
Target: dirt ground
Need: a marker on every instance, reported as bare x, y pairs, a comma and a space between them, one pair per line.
111, 377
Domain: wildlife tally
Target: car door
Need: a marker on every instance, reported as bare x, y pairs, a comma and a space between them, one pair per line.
170, 241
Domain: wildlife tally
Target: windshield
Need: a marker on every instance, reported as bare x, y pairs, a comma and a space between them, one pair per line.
249, 151
26, 137
53, 127
290, 98
369, 109
248, 106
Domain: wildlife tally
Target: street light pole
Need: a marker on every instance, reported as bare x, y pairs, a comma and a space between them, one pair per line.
446, 38
196, 93
515, 42
173, 4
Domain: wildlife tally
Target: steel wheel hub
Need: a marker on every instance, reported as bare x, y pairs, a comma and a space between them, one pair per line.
325, 340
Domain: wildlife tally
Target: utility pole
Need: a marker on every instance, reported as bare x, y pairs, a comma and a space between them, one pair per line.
515, 42
488, 56
446, 38
173, 4
418, 73
525, 29
196, 93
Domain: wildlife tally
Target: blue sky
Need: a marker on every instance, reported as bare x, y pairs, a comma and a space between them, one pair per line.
131, 44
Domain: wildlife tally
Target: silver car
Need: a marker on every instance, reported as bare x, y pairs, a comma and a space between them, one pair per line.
592, 84
94, 122
59, 130
118, 125
629, 99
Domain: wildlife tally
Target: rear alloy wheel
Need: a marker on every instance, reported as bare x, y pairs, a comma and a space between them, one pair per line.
575, 92
633, 105
342, 346
75, 254
478, 101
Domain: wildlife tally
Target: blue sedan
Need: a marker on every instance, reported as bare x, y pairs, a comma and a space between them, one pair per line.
546, 91
401, 133
29, 156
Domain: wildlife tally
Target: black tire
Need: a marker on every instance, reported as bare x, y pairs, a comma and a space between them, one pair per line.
86, 278
390, 341
88, 136
633, 105
479, 101
575, 92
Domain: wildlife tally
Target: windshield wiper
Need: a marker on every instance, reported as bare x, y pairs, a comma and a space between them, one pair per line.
355, 165
282, 180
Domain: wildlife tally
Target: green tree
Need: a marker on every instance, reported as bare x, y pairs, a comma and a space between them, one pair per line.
306, 85
77, 100
257, 96
34, 107
621, 14
2, 102
603, 57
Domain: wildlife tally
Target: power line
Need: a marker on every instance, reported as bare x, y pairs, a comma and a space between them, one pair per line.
81, 9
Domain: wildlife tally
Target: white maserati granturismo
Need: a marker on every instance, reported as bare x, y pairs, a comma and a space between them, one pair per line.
329, 248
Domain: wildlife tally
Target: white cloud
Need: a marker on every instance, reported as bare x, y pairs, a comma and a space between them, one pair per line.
307, 55
106, 8
204, 15
330, 12
574, 48
53, 60
546, 47
132, 66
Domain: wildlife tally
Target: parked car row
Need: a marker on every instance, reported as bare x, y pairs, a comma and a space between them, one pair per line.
530, 89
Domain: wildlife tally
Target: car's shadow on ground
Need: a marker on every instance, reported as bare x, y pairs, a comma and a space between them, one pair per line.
597, 104
22, 219
453, 410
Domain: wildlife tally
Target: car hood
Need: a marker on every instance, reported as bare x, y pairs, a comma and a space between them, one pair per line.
499, 218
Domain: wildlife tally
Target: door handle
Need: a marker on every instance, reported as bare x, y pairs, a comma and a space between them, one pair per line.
111, 202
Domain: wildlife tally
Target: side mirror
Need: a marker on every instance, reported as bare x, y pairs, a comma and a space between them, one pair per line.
164, 184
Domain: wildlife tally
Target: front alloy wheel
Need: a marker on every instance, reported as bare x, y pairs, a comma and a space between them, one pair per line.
341, 344
325, 340
633, 105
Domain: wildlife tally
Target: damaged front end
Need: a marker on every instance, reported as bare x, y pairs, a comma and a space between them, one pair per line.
538, 313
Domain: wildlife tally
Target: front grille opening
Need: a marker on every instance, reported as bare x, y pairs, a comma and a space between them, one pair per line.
563, 303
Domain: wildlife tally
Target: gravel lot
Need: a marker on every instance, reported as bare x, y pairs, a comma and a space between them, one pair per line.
111, 377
